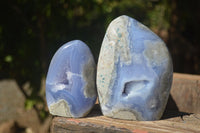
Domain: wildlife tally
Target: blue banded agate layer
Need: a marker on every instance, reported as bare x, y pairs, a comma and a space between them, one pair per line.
134, 72
70, 83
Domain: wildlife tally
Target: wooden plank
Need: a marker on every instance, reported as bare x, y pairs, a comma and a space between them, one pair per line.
184, 100
97, 123
185, 92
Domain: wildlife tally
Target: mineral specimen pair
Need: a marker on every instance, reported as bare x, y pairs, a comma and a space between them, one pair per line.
134, 75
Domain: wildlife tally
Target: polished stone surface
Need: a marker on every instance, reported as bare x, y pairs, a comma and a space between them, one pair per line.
70, 83
134, 72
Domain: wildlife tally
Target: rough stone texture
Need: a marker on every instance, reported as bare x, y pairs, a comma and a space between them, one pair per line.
8, 127
13, 115
134, 72
70, 83
11, 100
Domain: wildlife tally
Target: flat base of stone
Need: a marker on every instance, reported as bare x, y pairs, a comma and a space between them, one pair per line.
60, 108
126, 115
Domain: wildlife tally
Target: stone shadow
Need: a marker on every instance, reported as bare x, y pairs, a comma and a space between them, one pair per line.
96, 111
172, 110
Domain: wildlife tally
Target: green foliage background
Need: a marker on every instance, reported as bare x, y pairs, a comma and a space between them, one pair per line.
32, 30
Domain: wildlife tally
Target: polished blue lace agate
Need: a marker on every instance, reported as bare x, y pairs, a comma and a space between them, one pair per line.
134, 72
70, 83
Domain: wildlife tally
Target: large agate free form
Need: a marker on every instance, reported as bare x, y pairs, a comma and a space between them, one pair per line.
134, 72
70, 83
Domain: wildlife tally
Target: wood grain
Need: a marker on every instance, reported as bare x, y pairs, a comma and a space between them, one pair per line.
96, 123
186, 92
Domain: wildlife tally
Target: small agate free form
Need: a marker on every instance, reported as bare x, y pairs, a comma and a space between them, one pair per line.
70, 83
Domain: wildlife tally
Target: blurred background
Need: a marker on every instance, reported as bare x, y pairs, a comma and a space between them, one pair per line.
32, 30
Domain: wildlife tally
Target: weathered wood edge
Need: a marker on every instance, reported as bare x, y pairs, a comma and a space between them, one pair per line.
186, 76
184, 124
185, 92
